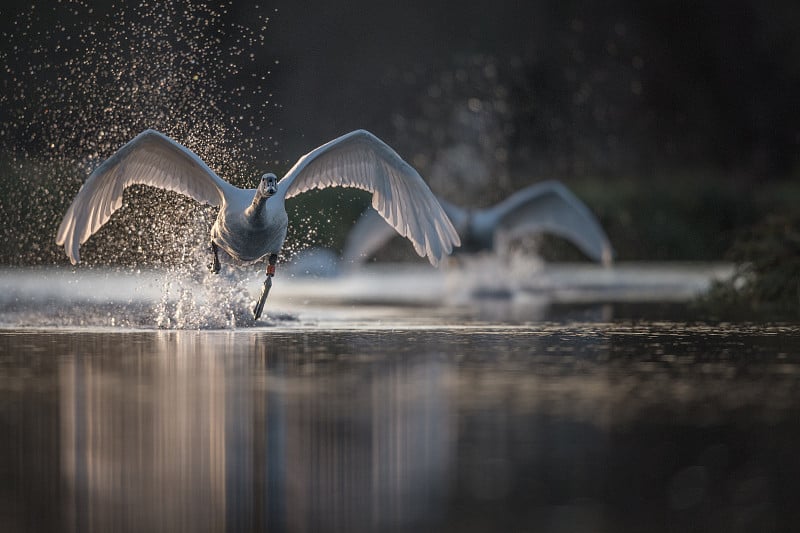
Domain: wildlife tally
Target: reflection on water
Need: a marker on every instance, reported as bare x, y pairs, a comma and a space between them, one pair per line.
589, 427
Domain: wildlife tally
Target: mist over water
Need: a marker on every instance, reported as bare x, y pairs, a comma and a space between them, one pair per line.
482, 290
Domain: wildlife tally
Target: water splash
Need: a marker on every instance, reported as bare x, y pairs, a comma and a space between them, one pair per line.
198, 299
82, 80
184, 297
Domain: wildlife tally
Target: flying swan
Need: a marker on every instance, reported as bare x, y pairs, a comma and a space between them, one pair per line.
251, 223
548, 206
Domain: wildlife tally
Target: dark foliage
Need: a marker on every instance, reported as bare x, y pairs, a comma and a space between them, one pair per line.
767, 277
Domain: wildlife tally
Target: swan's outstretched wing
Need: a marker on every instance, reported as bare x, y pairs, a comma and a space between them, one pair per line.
151, 158
359, 159
549, 206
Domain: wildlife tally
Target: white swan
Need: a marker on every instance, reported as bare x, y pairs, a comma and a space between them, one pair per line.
252, 223
547, 206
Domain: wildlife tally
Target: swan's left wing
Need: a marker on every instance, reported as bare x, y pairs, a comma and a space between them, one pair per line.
361, 160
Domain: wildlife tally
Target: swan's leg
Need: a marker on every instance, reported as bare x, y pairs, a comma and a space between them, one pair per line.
257, 310
214, 266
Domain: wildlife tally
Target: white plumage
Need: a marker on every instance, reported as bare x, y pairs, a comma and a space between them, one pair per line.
251, 223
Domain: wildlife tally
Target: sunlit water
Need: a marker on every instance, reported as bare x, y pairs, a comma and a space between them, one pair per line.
389, 401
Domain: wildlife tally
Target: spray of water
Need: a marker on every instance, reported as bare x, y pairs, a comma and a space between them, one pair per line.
81, 80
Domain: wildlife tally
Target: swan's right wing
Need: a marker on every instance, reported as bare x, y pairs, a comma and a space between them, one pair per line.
151, 158
550, 206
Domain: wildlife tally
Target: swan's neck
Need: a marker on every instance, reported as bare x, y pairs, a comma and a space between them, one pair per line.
255, 210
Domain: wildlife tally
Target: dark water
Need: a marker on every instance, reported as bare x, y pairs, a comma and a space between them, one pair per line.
571, 426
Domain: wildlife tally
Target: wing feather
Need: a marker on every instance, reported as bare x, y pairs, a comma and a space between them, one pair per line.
361, 160
550, 206
151, 158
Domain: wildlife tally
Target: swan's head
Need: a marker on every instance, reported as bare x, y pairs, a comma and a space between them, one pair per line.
268, 185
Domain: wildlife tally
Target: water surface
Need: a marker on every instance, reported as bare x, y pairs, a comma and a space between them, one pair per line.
490, 416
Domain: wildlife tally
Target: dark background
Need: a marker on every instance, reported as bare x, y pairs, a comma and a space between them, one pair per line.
676, 122
652, 85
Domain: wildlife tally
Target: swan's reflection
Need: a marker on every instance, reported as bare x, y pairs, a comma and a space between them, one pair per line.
213, 435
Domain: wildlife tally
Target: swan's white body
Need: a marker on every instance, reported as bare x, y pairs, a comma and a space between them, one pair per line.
252, 223
548, 207
249, 238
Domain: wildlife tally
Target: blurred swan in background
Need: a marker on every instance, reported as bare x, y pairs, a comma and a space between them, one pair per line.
251, 224
546, 207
